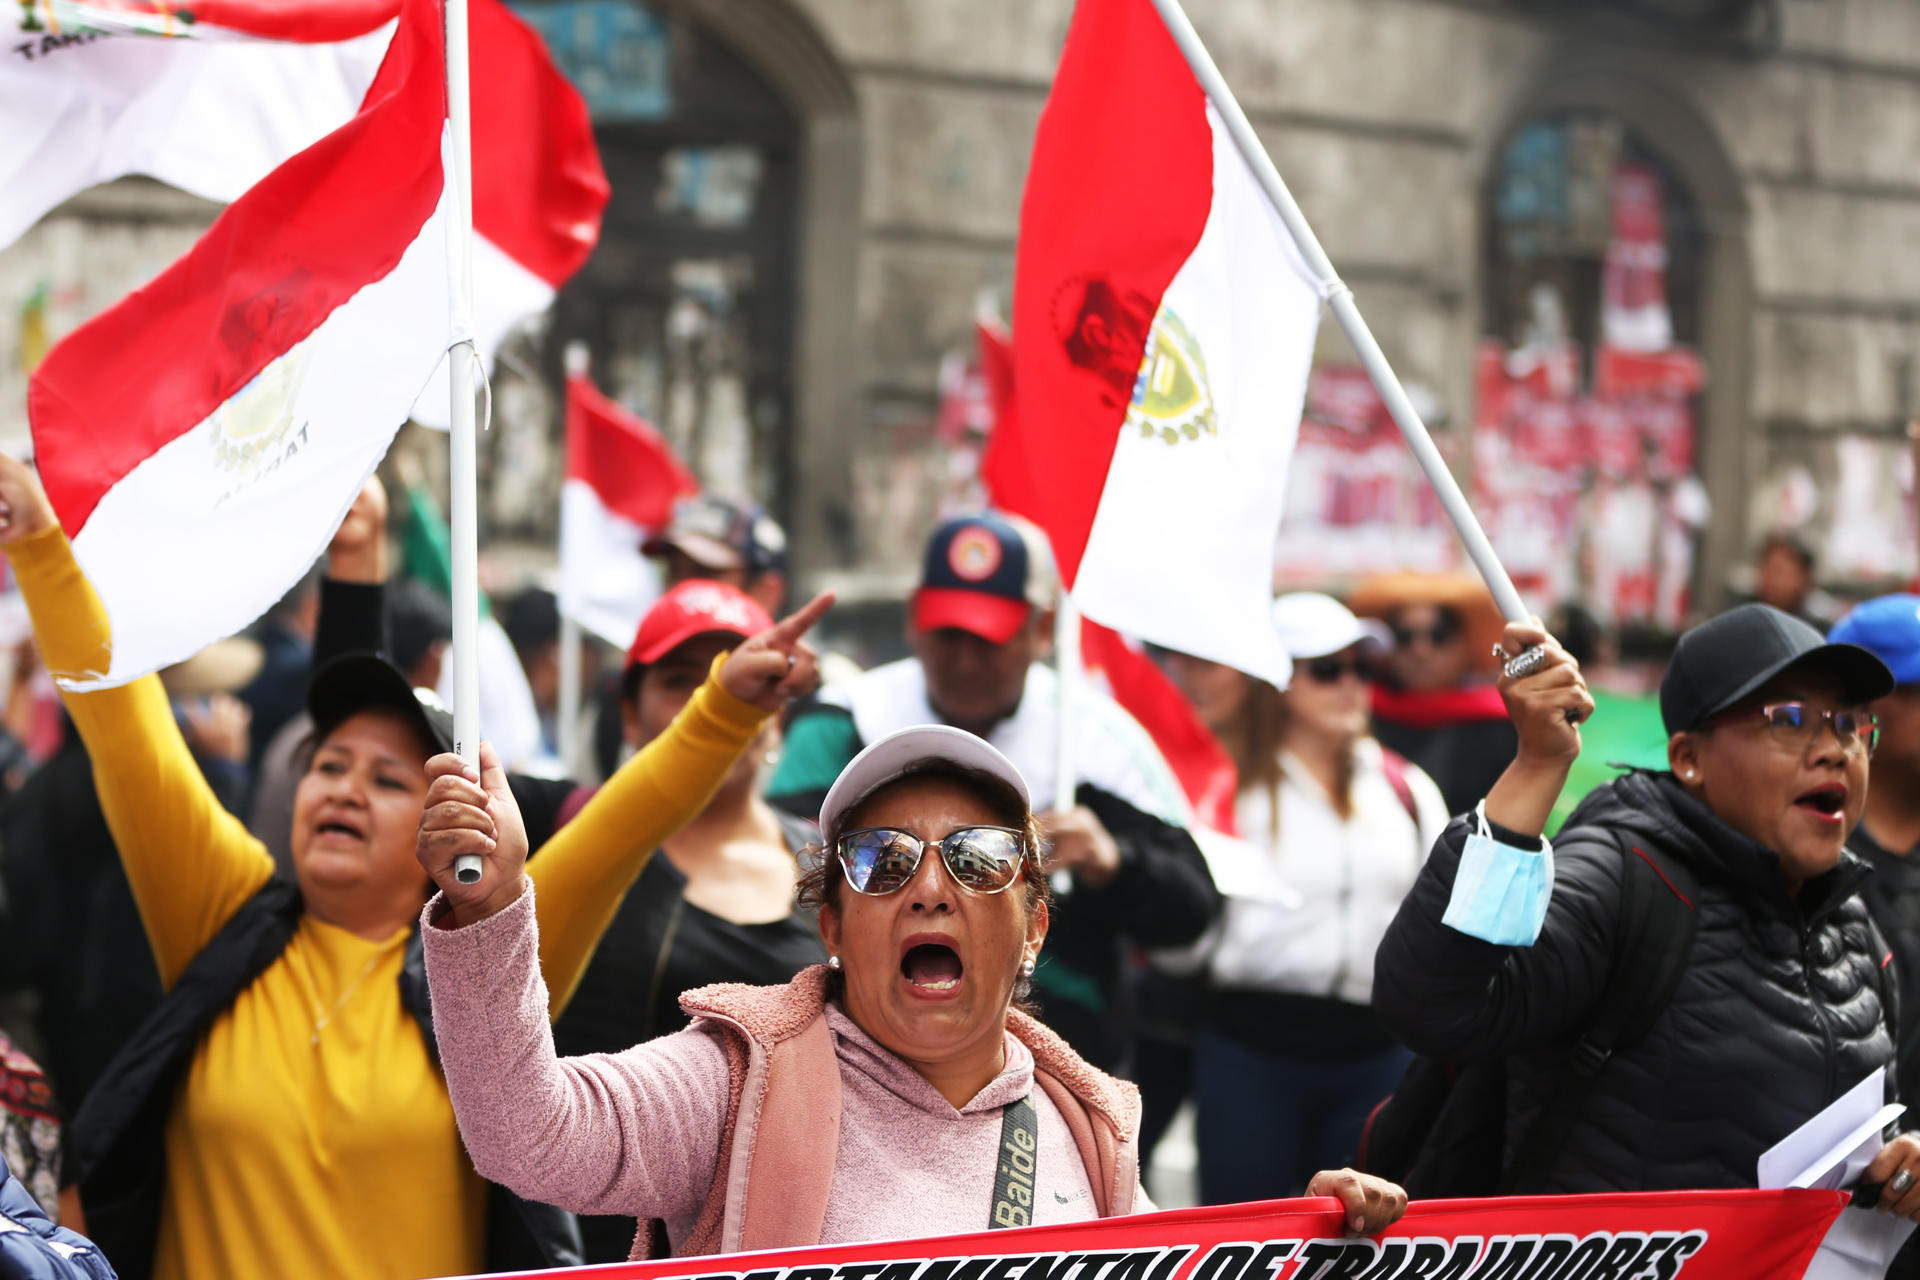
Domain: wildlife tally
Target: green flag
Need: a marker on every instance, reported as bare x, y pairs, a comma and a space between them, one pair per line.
1625, 730
426, 545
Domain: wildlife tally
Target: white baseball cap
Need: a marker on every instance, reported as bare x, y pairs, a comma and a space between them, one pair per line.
1312, 625
901, 752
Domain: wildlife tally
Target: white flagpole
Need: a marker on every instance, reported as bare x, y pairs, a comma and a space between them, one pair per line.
1066, 656
567, 728
1340, 301
463, 459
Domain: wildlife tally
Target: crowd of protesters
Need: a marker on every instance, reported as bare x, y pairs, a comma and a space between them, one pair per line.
713, 995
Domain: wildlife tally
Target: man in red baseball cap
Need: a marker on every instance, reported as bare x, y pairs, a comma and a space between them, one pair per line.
981, 624
982, 616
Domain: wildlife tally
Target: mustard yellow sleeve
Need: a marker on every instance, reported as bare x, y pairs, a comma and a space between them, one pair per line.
583, 873
191, 863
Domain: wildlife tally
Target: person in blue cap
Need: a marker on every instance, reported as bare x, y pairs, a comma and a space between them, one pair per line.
1888, 836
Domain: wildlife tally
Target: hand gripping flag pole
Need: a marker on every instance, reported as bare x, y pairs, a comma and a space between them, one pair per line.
463, 445
1340, 300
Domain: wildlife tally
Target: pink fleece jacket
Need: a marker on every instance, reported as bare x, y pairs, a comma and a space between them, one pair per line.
672, 1129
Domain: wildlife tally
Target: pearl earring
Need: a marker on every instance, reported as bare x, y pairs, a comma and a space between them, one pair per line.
1026, 968
833, 962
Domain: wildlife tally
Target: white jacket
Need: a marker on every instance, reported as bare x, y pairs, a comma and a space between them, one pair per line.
1110, 749
1349, 876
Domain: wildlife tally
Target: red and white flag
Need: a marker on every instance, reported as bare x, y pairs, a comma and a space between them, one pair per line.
622, 480
1206, 773
246, 84
1204, 769
1163, 325
201, 439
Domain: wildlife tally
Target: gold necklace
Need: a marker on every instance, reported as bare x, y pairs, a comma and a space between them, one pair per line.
320, 1020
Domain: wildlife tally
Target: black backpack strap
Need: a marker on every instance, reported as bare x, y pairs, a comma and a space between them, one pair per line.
1650, 951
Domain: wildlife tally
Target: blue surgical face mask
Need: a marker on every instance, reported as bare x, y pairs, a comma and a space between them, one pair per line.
1500, 893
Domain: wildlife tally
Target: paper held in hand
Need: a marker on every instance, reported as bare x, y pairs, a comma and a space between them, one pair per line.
1831, 1151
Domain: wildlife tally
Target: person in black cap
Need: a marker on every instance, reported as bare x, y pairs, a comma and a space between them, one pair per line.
980, 624
283, 1111
725, 541
1781, 1004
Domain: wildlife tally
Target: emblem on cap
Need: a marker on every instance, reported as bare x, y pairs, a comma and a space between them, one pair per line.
974, 554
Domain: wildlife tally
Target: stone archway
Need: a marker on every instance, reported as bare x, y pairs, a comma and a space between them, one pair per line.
785, 47
1642, 90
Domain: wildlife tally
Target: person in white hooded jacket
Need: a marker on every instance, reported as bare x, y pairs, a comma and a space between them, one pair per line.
1288, 1055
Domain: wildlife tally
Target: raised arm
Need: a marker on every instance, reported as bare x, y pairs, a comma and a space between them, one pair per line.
635, 1133
1450, 995
585, 870
190, 862
353, 591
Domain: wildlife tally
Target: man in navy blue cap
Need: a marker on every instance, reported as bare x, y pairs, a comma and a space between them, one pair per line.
980, 624
1888, 836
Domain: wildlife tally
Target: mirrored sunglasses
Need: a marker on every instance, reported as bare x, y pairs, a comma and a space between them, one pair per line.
882, 860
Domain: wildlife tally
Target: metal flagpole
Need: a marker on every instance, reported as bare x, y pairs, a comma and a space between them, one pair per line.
1066, 655
567, 728
1346, 311
463, 446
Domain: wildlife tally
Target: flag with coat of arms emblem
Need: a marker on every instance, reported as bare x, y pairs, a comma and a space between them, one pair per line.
201, 439
212, 95
1205, 771
1163, 325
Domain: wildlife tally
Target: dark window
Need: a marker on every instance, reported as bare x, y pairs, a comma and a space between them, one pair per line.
687, 304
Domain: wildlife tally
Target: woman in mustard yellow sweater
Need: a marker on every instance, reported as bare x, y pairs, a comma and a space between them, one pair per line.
283, 1113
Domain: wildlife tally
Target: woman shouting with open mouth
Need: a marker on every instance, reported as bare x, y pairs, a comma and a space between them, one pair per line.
867, 1099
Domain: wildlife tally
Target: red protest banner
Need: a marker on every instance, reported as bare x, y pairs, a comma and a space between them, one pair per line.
1701, 1235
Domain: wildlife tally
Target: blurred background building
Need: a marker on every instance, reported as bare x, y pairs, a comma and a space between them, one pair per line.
1653, 267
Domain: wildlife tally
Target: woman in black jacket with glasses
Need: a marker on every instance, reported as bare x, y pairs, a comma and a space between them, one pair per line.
1781, 1006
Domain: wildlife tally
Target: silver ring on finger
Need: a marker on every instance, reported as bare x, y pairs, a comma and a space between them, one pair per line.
1525, 665
1900, 1183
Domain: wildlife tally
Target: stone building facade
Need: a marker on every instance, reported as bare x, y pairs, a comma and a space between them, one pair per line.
1791, 123
809, 208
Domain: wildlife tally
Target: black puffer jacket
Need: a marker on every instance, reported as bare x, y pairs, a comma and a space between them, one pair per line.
1778, 1012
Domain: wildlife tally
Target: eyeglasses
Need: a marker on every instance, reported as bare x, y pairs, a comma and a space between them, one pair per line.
882, 860
1333, 669
1439, 634
1796, 726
